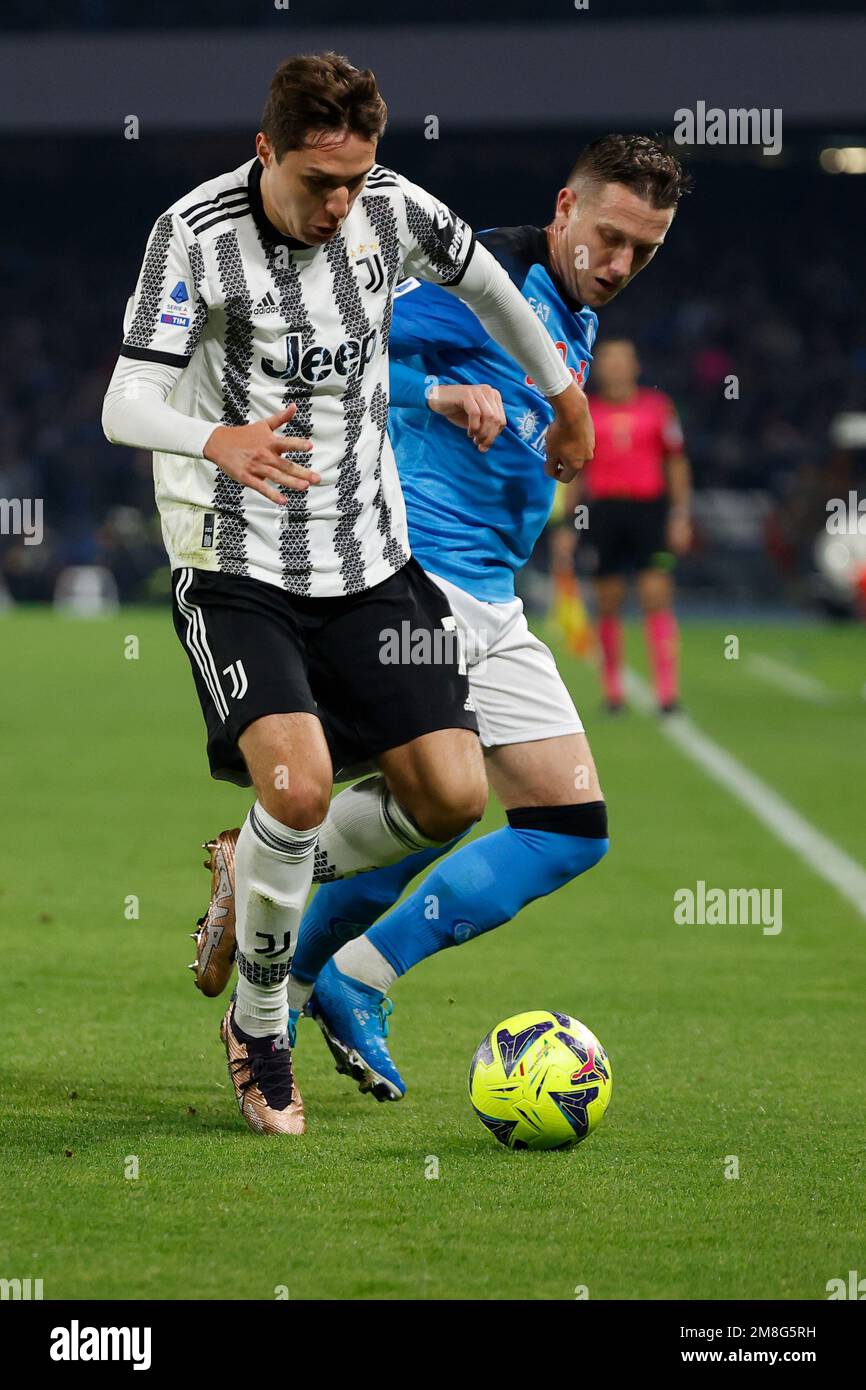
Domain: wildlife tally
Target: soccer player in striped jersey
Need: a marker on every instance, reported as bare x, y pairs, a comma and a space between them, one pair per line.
255, 366
473, 522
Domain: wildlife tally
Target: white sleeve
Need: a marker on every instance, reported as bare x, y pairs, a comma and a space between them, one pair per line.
164, 320
500, 306
136, 411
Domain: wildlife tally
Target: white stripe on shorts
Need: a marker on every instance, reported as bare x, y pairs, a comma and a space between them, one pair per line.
196, 641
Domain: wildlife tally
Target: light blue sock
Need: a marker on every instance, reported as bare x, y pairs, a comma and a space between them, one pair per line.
479, 887
345, 908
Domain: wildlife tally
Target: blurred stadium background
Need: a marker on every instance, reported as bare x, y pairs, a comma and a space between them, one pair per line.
763, 276
725, 1041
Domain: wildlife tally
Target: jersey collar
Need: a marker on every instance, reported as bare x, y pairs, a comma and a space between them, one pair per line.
268, 232
541, 252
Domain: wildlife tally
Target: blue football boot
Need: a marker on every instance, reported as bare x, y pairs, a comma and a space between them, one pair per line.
354, 1022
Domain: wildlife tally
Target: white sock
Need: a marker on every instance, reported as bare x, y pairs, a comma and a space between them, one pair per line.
273, 874
366, 828
361, 960
299, 992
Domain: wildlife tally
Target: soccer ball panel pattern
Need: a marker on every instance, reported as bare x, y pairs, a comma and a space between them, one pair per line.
540, 1081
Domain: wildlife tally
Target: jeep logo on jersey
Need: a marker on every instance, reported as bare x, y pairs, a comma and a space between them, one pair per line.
350, 359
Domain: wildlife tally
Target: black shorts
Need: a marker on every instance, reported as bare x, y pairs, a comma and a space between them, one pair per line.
628, 534
255, 650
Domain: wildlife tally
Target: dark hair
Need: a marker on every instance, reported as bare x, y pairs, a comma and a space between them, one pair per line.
321, 91
642, 163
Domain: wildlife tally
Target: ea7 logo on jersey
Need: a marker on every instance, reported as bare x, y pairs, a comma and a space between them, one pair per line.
350, 359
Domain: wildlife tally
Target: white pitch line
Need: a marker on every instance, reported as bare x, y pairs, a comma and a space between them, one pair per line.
823, 856
774, 672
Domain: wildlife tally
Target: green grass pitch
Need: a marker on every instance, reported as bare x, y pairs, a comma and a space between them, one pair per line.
725, 1042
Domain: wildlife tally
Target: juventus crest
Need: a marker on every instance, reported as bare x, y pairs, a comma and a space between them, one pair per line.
373, 271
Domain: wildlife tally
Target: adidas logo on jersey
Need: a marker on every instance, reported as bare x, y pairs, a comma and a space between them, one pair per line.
267, 305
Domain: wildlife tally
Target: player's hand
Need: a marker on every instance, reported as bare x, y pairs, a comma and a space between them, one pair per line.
679, 535
570, 437
253, 455
476, 409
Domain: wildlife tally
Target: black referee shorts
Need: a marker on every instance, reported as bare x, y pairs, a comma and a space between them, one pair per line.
255, 650
629, 534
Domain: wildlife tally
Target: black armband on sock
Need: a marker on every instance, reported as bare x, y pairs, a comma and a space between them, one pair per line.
587, 819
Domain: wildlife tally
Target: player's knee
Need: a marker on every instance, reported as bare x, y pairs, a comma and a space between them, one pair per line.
444, 795
610, 595
302, 805
655, 590
472, 799
450, 806
569, 839
590, 852
444, 820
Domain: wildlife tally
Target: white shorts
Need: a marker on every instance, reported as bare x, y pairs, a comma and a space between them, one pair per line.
517, 691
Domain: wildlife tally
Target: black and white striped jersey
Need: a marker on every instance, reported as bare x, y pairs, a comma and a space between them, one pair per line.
259, 321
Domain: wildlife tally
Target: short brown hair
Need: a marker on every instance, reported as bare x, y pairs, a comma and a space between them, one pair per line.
642, 163
321, 91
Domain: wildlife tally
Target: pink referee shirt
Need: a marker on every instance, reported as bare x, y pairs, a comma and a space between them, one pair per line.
632, 440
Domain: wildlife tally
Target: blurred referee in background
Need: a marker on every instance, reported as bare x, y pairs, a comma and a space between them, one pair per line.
638, 487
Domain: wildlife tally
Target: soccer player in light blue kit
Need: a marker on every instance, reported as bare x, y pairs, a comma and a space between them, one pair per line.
472, 525
473, 522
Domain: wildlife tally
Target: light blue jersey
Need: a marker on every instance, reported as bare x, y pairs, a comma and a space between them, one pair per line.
474, 518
